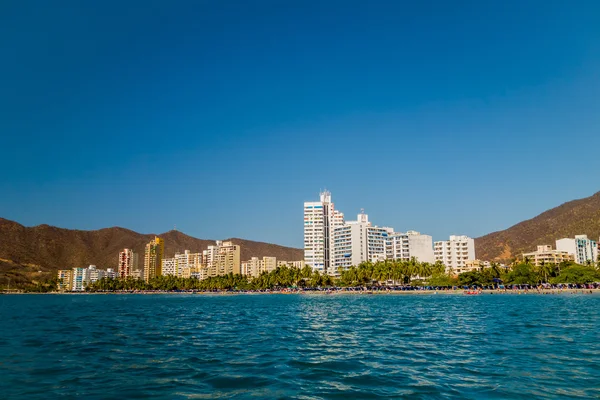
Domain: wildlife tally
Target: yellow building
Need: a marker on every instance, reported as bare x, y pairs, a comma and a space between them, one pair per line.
222, 259
65, 280
545, 255
153, 258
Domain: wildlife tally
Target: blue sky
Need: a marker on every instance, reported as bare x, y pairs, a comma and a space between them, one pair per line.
223, 117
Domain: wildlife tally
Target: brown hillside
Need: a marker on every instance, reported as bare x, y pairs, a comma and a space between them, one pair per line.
577, 217
54, 248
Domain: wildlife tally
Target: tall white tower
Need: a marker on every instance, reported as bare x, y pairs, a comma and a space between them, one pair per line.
320, 220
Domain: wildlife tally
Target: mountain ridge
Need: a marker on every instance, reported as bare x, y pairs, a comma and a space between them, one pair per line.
575, 217
54, 248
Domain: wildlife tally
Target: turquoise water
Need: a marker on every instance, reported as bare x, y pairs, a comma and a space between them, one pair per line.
300, 346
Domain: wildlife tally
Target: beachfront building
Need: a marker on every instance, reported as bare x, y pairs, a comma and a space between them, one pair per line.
583, 249
222, 259
153, 256
65, 280
92, 274
256, 266
128, 262
251, 267
405, 246
320, 221
269, 264
455, 252
78, 282
545, 255
359, 241
472, 265
188, 263
184, 264
169, 266
291, 264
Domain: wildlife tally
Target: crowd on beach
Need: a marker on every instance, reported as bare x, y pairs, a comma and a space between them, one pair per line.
469, 290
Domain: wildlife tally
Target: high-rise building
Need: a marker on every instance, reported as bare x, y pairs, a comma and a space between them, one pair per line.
92, 274
320, 221
153, 256
65, 280
330, 243
585, 250
182, 264
358, 241
169, 266
405, 246
128, 262
188, 262
454, 253
256, 266
78, 280
222, 259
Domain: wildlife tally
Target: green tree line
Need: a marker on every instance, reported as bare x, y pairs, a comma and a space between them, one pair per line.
368, 274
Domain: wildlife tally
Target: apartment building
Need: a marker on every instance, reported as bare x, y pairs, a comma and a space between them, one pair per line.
222, 259
545, 255
153, 256
405, 246
320, 221
455, 252
359, 241
583, 249
169, 267
78, 281
291, 264
128, 262
65, 280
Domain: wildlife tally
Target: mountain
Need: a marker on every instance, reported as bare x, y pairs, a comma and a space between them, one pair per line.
577, 217
48, 248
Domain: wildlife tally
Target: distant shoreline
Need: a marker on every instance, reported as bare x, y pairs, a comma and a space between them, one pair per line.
336, 293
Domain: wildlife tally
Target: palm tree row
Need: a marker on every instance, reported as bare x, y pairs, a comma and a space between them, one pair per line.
282, 277
398, 272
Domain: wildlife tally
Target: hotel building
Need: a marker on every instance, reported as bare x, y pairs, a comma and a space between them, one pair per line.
455, 253
92, 274
358, 241
291, 264
128, 262
169, 266
585, 250
330, 243
545, 255
182, 264
222, 259
65, 280
153, 256
78, 282
405, 246
320, 221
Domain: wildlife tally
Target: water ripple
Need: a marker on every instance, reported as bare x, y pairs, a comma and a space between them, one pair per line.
303, 347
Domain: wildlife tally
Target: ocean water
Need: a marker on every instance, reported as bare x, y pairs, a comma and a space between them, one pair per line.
300, 346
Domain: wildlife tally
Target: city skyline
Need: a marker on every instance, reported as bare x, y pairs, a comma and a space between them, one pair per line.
436, 117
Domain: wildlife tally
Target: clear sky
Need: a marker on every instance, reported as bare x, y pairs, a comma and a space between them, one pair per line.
223, 117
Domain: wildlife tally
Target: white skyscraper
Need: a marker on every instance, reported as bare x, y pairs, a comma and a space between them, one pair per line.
320, 221
455, 252
331, 243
